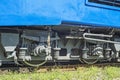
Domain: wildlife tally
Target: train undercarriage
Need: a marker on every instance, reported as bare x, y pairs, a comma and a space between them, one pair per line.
34, 46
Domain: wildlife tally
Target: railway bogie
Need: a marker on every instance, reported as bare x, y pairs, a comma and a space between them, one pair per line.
35, 32
36, 47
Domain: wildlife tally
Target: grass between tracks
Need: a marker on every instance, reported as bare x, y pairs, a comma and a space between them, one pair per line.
82, 73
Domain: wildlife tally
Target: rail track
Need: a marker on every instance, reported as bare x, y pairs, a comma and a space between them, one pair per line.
47, 68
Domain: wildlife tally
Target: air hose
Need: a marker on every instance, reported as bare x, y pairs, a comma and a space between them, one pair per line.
35, 65
88, 62
81, 60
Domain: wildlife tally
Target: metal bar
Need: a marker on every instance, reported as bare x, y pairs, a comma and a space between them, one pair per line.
99, 35
72, 37
99, 40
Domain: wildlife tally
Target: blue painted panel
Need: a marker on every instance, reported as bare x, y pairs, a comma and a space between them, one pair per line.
53, 12
10, 7
26, 12
104, 15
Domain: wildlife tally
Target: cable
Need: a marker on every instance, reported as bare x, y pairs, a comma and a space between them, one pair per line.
88, 62
81, 60
34, 65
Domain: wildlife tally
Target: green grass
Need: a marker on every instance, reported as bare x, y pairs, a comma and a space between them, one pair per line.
82, 73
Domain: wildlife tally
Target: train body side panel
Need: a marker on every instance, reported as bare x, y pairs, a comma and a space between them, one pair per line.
53, 12
23, 12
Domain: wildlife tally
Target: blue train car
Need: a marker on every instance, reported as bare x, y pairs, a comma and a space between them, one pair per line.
59, 30
30, 12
